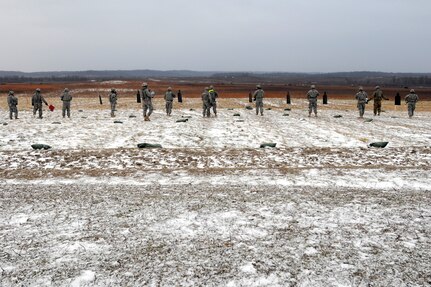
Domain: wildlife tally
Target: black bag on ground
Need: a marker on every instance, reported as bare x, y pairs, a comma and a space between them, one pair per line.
148, 145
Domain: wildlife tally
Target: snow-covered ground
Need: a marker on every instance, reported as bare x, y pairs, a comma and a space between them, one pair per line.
95, 129
211, 208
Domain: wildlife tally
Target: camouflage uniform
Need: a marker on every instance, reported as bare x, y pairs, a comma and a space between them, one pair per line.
169, 98
378, 97
113, 100
12, 102
258, 96
37, 101
362, 98
312, 101
411, 100
147, 104
213, 99
66, 98
206, 103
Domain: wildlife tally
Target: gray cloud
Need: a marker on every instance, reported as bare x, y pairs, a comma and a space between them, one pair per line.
237, 35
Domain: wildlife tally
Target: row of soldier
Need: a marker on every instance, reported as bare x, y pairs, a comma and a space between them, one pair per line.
362, 99
209, 101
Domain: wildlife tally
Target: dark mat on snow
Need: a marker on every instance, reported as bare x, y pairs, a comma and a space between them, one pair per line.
149, 145
40, 146
379, 144
264, 145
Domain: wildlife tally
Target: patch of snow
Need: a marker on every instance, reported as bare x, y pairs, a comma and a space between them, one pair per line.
86, 277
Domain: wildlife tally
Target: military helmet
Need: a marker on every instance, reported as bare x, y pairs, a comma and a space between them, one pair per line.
313, 86
377, 87
144, 84
66, 89
37, 90
258, 86
361, 89
169, 89
412, 90
112, 90
11, 92
211, 87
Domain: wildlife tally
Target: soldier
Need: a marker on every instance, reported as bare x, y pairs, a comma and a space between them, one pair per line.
147, 105
258, 96
206, 102
312, 100
12, 102
37, 101
411, 100
213, 99
378, 97
169, 98
362, 98
113, 100
66, 98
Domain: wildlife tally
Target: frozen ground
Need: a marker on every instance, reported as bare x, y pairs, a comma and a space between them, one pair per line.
95, 129
211, 208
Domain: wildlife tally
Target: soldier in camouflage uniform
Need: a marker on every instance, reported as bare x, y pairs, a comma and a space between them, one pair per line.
169, 98
411, 100
37, 101
206, 103
113, 100
312, 100
66, 98
378, 97
147, 105
12, 102
213, 99
362, 98
258, 96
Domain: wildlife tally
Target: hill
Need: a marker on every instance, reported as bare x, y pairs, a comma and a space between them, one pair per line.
340, 78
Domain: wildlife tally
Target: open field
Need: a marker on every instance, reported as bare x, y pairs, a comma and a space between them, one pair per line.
211, 208
190, 89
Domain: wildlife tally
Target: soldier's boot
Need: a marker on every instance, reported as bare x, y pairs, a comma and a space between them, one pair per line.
315, 114
309, 114
215, 114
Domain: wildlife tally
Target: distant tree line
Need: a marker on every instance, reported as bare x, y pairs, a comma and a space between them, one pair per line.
22, 79
347, 78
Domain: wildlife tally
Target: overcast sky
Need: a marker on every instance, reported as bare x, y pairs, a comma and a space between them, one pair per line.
216, 35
